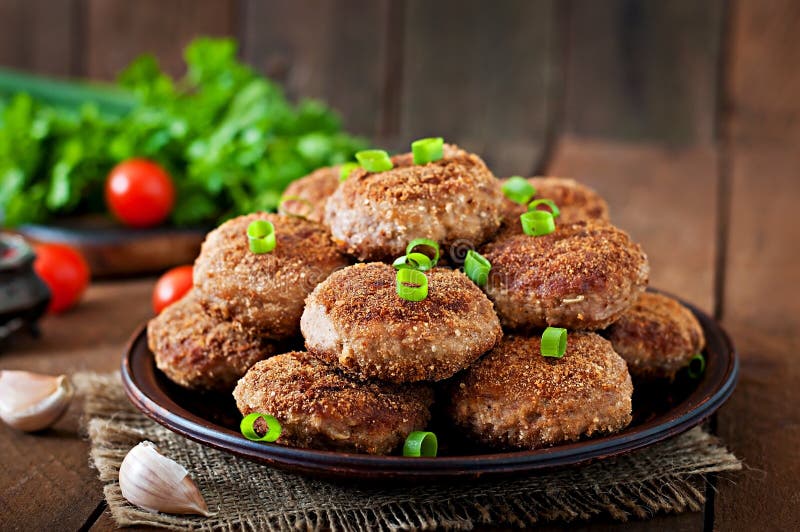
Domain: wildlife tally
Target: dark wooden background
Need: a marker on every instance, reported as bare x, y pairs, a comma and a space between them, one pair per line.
685, 114
499, 77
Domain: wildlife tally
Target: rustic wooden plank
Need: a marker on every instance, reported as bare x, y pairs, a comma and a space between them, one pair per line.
333, 50
104, 523
40, 36
666, 200
47, 483
484, 79
642, 70
686, 522
118, 31
88, 337
764, 79
46, 480
761, 422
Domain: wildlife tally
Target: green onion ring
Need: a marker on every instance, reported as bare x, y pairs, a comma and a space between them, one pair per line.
414, 261
346, 169
477, 267
287, 199
404, 262
697, 366
418, 281
534, 204
537, 223
518, 189
248, 429
424, 242
261, 234
420, 443
374, 160
427, 150
554, 342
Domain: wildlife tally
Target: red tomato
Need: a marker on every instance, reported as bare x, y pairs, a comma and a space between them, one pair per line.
140, 193
171, 286
65, 272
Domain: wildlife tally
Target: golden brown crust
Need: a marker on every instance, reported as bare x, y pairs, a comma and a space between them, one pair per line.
321, 408
264, 291
374, 215
582, 276
575, 200
657, 336
315, 188
355, 319
201, 352
516, 398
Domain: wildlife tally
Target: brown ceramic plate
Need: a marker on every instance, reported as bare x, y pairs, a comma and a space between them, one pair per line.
659, 412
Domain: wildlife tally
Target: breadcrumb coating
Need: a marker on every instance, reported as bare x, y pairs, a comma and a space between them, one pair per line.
356, 320
584, 275
321, 408
202, 352
374, 215
516, 398
264, 291
657, 336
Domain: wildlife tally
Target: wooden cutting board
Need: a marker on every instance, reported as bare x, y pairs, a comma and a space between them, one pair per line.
115, 251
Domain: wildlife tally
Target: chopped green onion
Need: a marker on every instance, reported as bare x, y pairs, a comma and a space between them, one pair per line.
248, 429
554, 342
477, 267
420, 443
532, 206
537, 223
427, 150
517, 189
346, 169
697, 366
286, 199
261, 234
404, 262
374, 160
423, 262
427, 242
412, 285
414, 261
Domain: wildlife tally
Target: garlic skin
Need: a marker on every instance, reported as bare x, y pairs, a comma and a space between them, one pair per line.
32, 401
156, 483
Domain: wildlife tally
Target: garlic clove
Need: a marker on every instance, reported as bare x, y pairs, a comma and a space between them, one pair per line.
32, 401
156, 483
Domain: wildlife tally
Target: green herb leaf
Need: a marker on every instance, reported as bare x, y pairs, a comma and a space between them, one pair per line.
228, 136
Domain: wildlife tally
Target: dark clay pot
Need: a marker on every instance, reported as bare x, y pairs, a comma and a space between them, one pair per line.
23, 295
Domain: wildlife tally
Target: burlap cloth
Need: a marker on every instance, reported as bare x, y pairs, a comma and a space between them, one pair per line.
667, 477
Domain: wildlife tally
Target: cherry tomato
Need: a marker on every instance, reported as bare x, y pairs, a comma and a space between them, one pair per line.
140, 193
171, 286
64, 271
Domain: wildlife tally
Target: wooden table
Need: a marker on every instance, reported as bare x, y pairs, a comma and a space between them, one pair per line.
715, 236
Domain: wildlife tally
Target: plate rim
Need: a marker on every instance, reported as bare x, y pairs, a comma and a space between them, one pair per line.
352, 465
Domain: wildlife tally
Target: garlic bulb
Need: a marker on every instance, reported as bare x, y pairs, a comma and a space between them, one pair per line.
31, 401
156, 483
